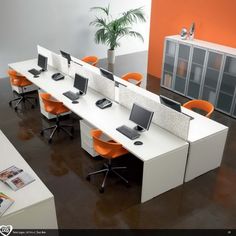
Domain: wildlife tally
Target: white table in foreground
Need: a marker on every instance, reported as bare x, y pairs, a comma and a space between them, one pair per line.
34, 206
163, 154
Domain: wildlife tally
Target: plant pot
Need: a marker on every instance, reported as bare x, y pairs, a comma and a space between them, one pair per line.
111, 56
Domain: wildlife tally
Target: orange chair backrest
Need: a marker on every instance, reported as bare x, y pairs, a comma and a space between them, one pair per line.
200, 104
50, 105
106, 149
93, 60
18, 80
133, 76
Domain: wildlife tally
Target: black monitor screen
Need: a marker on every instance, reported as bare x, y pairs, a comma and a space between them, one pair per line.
141, 116
81, 83
42, 62
107, 74
66, 55
170, 103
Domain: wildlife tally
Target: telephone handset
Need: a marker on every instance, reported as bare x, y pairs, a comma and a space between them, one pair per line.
103, 103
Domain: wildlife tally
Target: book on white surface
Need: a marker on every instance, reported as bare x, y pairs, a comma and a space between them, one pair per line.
15, 178
5, 203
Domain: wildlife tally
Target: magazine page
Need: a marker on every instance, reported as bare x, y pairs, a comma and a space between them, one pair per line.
5, 203
9, 173
19, 181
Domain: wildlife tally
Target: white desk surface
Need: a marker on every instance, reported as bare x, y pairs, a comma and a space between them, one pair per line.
156, 141
201, 127
33, 193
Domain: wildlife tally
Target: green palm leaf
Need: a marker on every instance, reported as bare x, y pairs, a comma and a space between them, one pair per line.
111, 31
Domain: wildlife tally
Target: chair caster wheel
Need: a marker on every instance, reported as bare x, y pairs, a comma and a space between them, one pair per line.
10, 104
88, 178
15, 108
50, 141
42, 133
101, 190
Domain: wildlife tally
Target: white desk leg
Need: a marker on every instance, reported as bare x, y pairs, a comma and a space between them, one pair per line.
163, 173
205, 155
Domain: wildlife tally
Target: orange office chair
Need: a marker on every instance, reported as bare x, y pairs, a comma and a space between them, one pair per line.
56, 108
21, 82
92, 60
133, 76
108, 150
205, 106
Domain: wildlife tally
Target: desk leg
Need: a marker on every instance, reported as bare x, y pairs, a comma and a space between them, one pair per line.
205, 155
163, 173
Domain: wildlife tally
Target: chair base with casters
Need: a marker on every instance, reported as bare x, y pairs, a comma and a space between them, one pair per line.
23, 98
57, 127
107, 170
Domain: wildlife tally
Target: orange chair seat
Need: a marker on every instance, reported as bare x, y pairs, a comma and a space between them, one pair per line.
205, 106
133, 76
52, 106
93, 60
17, 79
107, 149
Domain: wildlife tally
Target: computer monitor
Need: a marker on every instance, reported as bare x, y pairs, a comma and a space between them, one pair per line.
81, 83
141, 116
107, 74
66, 55
42, 62
170, 103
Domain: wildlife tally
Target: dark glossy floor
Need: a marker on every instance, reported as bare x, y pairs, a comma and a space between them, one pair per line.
208, 201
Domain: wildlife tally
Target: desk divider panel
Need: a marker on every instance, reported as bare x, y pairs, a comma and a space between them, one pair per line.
165, 117
96, 82
55, 60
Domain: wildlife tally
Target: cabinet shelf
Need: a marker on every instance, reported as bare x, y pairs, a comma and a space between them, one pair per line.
230, 74
209, 87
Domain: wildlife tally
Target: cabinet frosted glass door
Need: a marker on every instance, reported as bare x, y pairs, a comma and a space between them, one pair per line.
196, 72
234, 111
212, 77
169, 63
182, 68
228, 85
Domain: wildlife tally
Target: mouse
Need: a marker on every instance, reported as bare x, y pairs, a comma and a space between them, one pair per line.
138, 143
75, 102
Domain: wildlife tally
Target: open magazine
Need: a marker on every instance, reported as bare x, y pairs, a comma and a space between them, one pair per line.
16, 178
5, 203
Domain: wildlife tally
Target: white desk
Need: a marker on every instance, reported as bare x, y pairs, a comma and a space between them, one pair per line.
163, 154
34, 206
206, 138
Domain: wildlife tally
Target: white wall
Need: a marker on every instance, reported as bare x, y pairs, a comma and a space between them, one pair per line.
59, 24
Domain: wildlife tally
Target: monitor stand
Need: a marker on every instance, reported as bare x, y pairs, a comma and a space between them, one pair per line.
139, 129
80, 93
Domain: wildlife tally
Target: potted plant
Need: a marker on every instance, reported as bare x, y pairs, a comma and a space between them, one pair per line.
111, 31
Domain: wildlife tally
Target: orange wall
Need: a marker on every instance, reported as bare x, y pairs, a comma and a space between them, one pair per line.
215, 21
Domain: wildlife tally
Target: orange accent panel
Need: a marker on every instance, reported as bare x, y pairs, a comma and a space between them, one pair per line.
214, 20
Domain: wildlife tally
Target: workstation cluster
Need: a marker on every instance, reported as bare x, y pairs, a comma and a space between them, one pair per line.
174, 143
